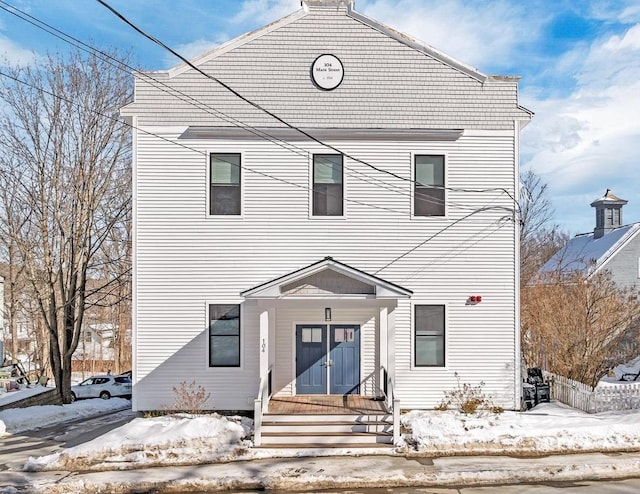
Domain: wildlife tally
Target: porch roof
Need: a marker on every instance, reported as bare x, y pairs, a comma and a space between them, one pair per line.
379, 288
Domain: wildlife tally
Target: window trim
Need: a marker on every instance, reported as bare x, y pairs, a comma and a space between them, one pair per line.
240, 305
445, 156
224, 217
445, 336
311, 189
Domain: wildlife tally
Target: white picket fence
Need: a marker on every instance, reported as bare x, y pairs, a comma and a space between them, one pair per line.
601, 399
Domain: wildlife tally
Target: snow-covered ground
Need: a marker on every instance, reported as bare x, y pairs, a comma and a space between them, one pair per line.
16, 420
547, 428
184, 439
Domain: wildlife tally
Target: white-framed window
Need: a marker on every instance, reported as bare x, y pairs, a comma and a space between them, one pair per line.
224, 335
225, 187
429, 187
328, 185
429, 335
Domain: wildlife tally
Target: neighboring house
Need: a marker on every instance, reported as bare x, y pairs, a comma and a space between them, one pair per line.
611, 246
95, 352
373, 254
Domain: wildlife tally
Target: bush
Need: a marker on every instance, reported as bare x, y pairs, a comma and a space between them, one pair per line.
190, 398
468, 399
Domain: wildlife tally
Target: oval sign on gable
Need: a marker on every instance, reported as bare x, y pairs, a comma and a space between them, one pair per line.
327, 72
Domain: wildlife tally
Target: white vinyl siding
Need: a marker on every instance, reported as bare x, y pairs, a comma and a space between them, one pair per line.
185, 258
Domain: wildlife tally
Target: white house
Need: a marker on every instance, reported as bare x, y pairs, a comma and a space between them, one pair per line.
611, 246
342, 224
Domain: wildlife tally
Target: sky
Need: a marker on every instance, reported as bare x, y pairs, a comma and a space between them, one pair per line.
579, 63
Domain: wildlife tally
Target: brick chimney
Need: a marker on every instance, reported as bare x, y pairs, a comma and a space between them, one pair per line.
608, 213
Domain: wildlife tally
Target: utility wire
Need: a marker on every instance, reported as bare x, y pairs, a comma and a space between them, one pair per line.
455, 222
120, 64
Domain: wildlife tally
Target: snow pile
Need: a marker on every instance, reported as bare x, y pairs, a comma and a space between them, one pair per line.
21, 394
547, 428
16, 420
632, 367
179, 439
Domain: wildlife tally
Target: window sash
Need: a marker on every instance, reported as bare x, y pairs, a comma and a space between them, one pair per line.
328, 190
429, 335
429, 192
224, 335
225, 192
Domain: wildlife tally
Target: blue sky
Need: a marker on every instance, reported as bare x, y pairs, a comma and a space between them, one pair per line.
579, 62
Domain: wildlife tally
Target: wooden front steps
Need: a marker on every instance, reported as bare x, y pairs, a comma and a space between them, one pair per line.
326, 422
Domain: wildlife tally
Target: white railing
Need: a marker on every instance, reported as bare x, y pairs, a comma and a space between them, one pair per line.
260, 405
601, 399
392, 403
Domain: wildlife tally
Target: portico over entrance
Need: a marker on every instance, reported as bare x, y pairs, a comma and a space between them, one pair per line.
326, 329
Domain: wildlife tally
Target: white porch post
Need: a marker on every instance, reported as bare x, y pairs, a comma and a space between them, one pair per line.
264, 342
391, 361
262, 401
383, 347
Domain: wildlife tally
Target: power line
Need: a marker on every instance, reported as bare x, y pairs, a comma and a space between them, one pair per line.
455, 222
288, 146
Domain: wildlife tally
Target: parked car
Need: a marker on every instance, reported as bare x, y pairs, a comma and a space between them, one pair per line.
104, 386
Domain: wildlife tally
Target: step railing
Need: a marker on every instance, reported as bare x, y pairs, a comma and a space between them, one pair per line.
392, 402
261, 405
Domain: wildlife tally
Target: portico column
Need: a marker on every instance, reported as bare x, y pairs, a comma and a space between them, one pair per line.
391, 343
383, 347
263, 345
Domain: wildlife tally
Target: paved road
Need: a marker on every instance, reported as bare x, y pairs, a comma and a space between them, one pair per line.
16, 449
629, 486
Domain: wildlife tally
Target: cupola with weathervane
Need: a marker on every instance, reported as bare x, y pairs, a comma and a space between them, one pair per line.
608, 213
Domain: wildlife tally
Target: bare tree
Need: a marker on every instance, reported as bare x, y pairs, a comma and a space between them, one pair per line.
539, 237
579, 327
66, 159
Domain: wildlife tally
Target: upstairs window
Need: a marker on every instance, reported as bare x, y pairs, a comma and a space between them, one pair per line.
327, 185
429, 194
225, 191
429, 335
224, 335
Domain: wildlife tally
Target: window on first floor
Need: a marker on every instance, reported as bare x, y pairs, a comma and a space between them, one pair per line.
224, 188
429, 192
327, 185
224, 335
429, 333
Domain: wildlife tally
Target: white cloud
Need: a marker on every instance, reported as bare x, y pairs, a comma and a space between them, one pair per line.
199, 47
477, 33
261, 12
14, 54
590, 139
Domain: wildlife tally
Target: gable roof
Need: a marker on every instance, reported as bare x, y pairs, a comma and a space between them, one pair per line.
390, 81
586, 254
307, 7
275, 288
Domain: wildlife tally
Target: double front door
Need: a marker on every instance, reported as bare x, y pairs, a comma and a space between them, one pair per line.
328, 359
